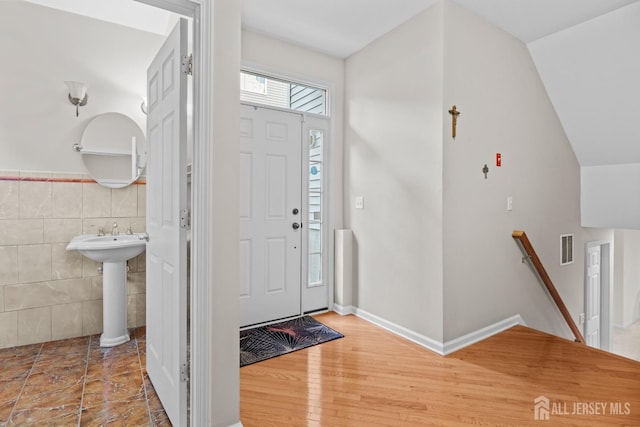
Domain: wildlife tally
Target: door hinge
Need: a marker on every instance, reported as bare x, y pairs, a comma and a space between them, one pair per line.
185, 219
184, 373
187, 64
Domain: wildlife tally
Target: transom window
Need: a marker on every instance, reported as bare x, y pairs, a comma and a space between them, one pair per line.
265, 90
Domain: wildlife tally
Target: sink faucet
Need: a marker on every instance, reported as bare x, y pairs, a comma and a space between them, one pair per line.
114, 230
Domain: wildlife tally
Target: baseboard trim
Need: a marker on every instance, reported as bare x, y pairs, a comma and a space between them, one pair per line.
481, 334
421, 340
236, 425
442, 349
343, 310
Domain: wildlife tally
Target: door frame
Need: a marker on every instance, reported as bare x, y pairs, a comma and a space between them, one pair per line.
310, 121
329, 181
606, 297
214, 369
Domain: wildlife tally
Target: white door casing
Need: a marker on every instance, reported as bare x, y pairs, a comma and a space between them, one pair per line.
270, 210
593, 306
166, 250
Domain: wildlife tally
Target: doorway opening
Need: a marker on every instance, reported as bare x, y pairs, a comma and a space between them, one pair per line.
284, 233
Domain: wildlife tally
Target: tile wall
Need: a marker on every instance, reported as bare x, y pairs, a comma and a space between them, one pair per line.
46, 292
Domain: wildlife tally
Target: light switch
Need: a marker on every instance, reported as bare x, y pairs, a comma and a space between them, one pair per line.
359, 202
510, 203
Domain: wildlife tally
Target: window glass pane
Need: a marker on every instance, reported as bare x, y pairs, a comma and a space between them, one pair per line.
277, 93
315, 268
308, 99
315, 238
316, 168
253, 84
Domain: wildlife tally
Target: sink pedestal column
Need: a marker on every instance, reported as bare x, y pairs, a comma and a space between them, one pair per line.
114, 304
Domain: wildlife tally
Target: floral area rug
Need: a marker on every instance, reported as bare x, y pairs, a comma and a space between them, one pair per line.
269, 341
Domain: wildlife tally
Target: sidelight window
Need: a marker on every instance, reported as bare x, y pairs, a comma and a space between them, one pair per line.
315, 208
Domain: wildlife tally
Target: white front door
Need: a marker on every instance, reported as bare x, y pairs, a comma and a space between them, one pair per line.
271, 218
166, 249
592, 315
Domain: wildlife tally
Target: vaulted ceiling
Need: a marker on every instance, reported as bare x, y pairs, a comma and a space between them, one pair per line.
341, 27
585, 50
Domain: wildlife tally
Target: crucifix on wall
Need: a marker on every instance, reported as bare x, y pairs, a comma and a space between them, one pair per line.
454, 120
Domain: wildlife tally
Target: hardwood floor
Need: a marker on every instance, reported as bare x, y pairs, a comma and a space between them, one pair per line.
75, 382
374, 378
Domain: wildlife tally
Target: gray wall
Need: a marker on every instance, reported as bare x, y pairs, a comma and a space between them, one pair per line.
626, 299
491, 77
610, 196
393, 158
433, 244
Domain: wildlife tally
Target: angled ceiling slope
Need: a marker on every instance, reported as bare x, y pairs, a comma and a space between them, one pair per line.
592, 76
531, 20
340, 28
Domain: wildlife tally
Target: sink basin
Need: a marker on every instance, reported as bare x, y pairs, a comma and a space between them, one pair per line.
109, 248
112, 252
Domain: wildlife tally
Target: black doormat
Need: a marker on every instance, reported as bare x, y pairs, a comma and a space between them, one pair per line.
265, 342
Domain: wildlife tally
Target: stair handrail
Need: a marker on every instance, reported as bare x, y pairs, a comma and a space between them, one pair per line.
521, 236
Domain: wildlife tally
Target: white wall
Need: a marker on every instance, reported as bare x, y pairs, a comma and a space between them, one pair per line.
610, 196
42, 48
591, 73
490, 76
626, 299
223, 165
279, 58
393, 158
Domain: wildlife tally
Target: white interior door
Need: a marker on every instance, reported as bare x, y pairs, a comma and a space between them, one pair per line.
271, 219
166, 249
592, 314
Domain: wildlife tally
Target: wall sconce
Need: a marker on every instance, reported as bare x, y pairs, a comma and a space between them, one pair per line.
77, 94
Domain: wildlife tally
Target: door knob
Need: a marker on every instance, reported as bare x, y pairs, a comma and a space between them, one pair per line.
295, 225
295, 211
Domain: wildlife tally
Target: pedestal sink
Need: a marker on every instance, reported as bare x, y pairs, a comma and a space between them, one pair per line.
113, 252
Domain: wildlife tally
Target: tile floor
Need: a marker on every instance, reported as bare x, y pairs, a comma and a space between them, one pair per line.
75, 382
626, 342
